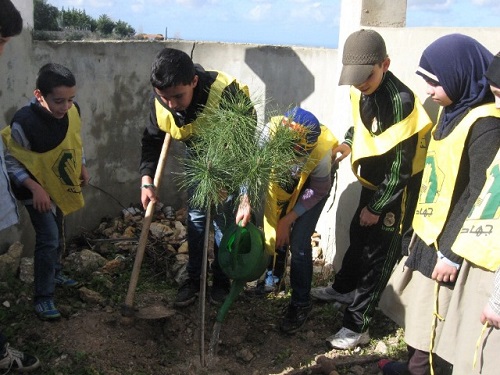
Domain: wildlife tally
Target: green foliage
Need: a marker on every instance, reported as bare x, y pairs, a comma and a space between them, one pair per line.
105, 25
45, 16
123, 29
78, 20
233, 149
75, 23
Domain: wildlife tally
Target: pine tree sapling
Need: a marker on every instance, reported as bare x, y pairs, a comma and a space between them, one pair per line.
232, 149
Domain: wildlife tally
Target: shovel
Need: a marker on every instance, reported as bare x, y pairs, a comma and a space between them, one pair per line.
128, 311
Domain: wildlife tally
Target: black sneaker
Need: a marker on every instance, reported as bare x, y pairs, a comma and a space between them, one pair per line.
187, 293
294, 317
17, 361
219, 292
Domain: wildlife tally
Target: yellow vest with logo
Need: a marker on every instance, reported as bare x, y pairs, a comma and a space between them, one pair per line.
440, 175
58, 170
366, 145
277, 198
166, 120
479, 238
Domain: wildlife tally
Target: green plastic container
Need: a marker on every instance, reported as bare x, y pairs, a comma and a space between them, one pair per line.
242, 258
241, 253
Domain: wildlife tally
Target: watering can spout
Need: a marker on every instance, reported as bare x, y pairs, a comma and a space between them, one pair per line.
242, 258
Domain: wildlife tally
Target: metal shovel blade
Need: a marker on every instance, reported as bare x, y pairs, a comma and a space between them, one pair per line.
154, 312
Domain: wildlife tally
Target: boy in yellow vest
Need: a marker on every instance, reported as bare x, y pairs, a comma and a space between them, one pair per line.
46, 167
388, 151
456, 239
291, 212
11, 24
182, 92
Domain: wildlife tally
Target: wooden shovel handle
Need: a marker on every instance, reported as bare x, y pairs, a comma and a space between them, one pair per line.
143, 239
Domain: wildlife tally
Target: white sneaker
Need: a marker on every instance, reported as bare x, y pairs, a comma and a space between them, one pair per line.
347, 339
329, 294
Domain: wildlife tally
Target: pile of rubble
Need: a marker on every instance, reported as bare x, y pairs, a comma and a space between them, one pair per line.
112, 245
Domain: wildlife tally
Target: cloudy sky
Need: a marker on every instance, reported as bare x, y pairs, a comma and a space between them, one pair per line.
280, 22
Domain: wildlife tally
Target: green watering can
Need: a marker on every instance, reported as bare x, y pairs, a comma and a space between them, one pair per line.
242, 258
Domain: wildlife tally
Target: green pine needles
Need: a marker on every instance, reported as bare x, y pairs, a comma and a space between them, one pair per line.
232, 150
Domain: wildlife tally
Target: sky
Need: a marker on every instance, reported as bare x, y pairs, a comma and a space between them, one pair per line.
312, 23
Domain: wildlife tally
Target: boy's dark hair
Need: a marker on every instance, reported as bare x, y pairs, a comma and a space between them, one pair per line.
11, 22
53, 75
171, 68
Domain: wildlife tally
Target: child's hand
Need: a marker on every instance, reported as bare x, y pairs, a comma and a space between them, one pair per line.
444, 272
488, 315
367, 219
344, 150
41, 199
284, 228
148, 191
84, 176
244, 211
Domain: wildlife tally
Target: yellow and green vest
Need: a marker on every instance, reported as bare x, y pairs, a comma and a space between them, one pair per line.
277, 198
365, 144
166, 120
58, 170
438, 184
479, 238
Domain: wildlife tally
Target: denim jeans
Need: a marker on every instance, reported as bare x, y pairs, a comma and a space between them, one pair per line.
222, 217
48, 229
301, 266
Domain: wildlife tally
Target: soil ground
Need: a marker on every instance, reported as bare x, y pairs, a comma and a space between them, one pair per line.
93, 339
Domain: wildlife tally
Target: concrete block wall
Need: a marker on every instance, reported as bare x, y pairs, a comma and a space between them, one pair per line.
113, 89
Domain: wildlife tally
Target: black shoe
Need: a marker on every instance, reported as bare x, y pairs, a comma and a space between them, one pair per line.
389, 367
294, 317
187, 293
219, 292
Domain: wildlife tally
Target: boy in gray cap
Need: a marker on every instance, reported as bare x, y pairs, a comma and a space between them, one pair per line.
387, 147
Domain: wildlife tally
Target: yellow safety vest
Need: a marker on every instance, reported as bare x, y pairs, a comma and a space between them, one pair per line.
166, 120
366, 145
277, 198
479, 238
58, 170
440, 175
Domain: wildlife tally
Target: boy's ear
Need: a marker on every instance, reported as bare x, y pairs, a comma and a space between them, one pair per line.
38, 94
195, 80
386, 63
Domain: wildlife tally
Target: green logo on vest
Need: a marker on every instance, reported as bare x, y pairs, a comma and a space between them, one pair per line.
65, 168
432, 181
486, 206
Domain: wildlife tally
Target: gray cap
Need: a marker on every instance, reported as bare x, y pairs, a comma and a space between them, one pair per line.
362, 50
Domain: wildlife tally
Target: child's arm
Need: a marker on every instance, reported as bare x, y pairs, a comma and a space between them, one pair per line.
41, 199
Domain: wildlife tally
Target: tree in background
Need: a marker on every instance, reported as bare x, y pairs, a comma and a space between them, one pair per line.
105, 25
123, 29
78, 20
75, 23
46, 16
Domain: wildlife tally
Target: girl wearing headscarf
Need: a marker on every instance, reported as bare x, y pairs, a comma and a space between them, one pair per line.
426, 294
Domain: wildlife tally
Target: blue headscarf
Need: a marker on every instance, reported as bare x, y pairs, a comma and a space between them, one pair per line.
457, 63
